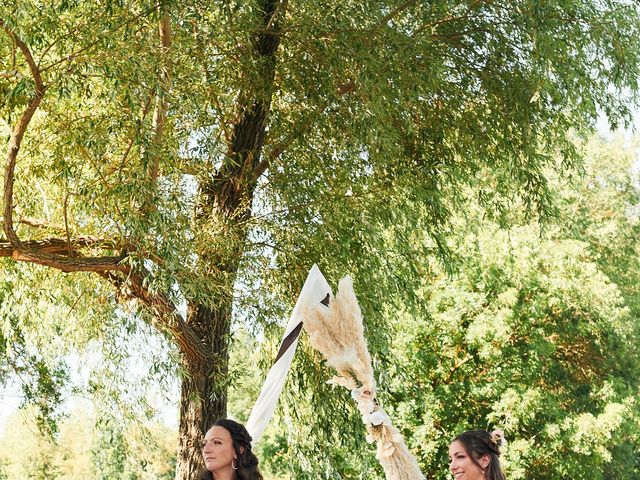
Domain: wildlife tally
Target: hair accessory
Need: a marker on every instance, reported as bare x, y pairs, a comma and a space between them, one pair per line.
497, 437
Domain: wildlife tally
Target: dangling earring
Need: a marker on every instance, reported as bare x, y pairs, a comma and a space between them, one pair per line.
483, 472
234, 465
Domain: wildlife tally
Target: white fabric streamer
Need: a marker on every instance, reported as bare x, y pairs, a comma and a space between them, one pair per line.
314, 291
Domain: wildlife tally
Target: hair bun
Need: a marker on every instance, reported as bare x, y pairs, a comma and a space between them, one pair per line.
497, 437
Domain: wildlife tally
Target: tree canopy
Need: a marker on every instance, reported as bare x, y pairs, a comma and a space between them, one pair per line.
535, 332
197, 157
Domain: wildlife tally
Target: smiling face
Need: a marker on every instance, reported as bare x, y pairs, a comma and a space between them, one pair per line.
462, 465
218, 451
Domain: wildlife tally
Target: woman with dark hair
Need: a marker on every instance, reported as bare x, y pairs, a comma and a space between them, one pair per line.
227, 453
474, 455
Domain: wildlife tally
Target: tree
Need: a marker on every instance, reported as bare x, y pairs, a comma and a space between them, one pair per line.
42, 376
537, 333
180, 151
27, 453
83, 448
534, 331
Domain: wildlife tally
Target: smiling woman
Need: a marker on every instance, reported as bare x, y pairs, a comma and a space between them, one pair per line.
227, 453
474, 455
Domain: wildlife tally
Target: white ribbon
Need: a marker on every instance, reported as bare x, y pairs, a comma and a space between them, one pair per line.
314, 291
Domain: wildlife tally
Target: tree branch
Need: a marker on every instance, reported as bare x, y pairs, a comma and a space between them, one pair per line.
160, 110
65, 264
38, 223
57, 252
17, 135
28, 252
133, 287
283, 144
11, 74
236, 179
56, 245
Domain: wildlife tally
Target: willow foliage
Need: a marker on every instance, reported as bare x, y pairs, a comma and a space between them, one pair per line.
206, 153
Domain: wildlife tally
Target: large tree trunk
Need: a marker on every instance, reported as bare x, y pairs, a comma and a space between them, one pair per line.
226, 199
203, 397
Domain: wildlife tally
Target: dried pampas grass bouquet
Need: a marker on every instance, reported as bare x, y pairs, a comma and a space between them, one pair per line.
335, 330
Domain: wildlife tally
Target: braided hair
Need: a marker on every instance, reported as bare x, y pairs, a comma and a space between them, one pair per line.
247, 461
478, 443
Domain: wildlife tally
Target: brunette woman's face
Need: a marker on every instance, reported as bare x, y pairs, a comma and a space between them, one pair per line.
218, 451
462, 465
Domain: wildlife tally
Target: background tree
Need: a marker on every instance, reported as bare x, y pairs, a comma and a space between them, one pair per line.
142, 451
535, 331
179, 150
27, 453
